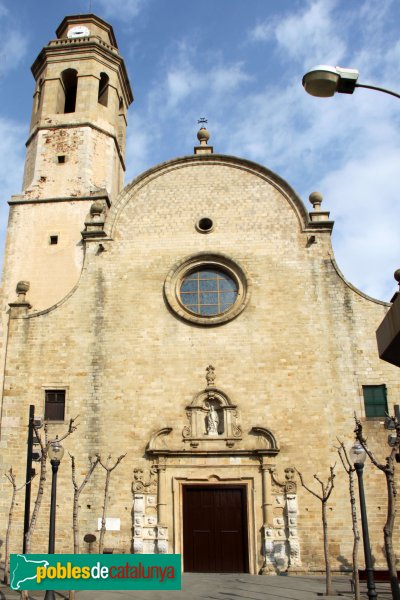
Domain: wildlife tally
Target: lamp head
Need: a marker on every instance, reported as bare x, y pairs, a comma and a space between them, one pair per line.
323, 81
357, 453
389, 423
56, 451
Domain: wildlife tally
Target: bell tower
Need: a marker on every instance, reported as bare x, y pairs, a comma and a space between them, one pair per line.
75, 155
76, 144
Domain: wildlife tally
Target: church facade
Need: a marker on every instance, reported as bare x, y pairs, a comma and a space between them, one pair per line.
194, 320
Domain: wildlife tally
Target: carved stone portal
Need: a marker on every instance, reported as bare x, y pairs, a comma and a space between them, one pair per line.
206, 439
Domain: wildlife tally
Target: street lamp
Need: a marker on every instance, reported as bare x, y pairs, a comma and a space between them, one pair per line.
357, 457
394, 436
323, 81
55, 452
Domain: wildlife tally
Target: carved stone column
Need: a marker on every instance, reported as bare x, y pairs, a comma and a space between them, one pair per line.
161, 500
266, 492
267, 530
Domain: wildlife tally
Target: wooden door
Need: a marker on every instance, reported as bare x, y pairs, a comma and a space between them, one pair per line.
215, 529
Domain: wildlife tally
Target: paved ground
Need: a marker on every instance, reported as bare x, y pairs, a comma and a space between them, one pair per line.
228, 587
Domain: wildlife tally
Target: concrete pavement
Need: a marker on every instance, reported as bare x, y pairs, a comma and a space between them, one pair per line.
226, 586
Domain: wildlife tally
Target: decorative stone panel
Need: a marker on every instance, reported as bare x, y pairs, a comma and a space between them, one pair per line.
149, 537
281, 540
212, 416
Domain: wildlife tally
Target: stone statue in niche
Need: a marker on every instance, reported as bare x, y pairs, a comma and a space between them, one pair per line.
212, 421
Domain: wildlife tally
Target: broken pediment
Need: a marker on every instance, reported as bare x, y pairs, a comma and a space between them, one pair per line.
213, 428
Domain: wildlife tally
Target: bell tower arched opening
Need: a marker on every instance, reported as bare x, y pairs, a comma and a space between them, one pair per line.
103, 89
69, 79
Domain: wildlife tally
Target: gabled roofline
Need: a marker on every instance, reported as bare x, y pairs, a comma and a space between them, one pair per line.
222, 159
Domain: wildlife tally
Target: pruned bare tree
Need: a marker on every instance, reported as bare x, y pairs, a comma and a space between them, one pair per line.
326, 490
350, 470
388, 468
44, 443
94, 461
109, 469
11, 478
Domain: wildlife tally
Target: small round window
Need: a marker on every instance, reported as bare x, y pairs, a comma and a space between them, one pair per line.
207, 288
208, 292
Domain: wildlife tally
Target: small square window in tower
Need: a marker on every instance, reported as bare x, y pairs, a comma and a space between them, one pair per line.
375, 400
54, 405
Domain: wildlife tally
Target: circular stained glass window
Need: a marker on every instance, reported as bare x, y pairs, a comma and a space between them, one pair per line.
207, 288
208, 292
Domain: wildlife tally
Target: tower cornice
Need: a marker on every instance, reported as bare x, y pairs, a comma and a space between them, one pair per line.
56, 49
86, 19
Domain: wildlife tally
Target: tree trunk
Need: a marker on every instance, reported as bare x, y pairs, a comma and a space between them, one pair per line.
75, 524
103, 517
72, 593
388, 534
38, 502
6, 579
326, 551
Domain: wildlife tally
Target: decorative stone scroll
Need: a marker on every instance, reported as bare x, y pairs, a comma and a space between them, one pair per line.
149, 536
281, 541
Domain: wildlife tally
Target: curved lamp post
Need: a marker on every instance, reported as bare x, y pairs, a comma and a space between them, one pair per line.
323, 81
357, 457
55, 452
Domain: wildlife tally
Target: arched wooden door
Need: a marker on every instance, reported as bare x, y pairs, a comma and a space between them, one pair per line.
215, 529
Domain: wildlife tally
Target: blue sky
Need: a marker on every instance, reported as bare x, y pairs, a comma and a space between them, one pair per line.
240, 63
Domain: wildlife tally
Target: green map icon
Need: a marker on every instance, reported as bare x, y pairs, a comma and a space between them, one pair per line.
24, 569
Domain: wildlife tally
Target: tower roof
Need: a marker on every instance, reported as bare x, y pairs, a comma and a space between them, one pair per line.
103, 29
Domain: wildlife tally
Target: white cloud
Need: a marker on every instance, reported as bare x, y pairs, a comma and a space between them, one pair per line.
13, 43
12, 138
308, 36
186, 79
179, 84
120, 9
191, 80
139, 143
363, 193
263, 32
12, 152
227, 78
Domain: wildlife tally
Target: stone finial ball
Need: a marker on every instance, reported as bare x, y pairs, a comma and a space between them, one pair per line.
203, 135
97, 207
315, 198
22, 287
396, 275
